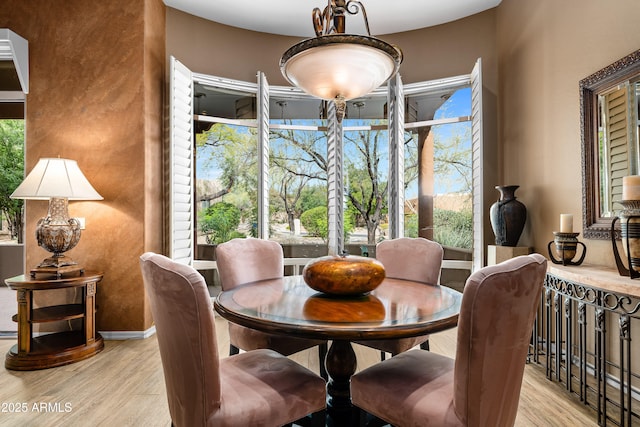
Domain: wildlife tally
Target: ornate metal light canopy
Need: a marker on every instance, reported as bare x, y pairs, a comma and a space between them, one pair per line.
336, 66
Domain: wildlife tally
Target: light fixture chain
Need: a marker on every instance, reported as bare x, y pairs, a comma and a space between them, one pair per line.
353, 7
333, 66
324, 21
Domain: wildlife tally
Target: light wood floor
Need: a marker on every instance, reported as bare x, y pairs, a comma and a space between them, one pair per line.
124, 386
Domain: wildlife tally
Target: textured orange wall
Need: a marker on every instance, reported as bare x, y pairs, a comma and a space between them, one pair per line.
96, 97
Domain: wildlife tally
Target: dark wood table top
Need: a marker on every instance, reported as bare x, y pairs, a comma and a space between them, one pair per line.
51, 281
396, 309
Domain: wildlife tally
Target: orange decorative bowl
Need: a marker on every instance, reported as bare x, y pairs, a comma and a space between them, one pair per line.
343, 274
346, 309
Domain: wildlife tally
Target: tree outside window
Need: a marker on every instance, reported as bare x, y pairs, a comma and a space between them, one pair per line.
12, 166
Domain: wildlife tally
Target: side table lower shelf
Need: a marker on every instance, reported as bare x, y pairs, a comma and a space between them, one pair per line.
51, 350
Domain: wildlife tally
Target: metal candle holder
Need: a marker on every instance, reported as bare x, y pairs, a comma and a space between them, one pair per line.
630, 234
566, 248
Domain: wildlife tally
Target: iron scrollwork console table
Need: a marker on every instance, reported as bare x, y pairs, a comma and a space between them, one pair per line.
588, 333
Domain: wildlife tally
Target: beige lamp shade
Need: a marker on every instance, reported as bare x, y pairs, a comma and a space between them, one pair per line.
56, 178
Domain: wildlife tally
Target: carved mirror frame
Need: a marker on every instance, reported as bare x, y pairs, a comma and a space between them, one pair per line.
596, 226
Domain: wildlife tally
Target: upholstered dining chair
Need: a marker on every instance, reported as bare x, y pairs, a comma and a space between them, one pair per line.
417, 259
249, 260
257, 388
481, 387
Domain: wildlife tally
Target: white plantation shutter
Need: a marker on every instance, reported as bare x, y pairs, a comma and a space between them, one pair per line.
263, 156
181, 170
335, 182
618, 143
396, 157
477, 165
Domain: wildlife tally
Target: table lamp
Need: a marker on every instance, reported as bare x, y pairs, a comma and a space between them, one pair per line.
57, 180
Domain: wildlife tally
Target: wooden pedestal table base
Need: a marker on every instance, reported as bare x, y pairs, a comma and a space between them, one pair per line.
341, 365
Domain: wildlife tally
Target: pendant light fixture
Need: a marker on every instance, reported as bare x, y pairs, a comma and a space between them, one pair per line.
336, 66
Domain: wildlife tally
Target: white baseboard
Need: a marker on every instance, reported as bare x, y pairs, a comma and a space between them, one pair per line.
128, 335
107, 335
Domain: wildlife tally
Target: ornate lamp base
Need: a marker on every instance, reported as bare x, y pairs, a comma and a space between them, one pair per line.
57, 233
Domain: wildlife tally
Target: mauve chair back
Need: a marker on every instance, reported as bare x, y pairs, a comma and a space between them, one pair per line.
248, 260
498, 309
417, 259
185, 328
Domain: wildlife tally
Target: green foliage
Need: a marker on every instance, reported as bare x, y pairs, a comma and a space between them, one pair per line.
453, 228
313, 196
411, 226
233, 150
245, 203
220, 222
12, 167
236, 235
315, 221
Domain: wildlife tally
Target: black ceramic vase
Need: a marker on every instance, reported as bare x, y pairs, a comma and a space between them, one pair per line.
508, 216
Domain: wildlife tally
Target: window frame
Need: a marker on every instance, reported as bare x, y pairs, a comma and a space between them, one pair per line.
394, 91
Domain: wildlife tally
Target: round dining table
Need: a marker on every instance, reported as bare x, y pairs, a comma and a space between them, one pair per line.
395, 309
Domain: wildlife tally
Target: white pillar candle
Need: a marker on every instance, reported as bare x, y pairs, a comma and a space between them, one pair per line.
566, 223
631, 187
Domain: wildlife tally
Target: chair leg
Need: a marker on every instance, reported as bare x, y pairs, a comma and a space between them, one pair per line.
368, 420
322, 355
233, 350
425, 345
363, 418
317, 419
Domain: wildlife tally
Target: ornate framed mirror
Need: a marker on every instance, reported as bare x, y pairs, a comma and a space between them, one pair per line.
610, 141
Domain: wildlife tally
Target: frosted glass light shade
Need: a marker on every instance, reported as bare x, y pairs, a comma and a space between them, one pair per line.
340, 66
54, 177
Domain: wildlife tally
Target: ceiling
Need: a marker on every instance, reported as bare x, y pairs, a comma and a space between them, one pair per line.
293, 18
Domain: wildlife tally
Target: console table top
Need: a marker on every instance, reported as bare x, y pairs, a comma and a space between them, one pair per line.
595, 276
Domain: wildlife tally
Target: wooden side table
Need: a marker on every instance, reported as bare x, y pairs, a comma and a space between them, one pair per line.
59, 348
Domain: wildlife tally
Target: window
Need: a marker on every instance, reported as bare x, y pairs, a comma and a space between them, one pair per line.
275, 154
12, 165
298, 180
438, 168
226, 172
